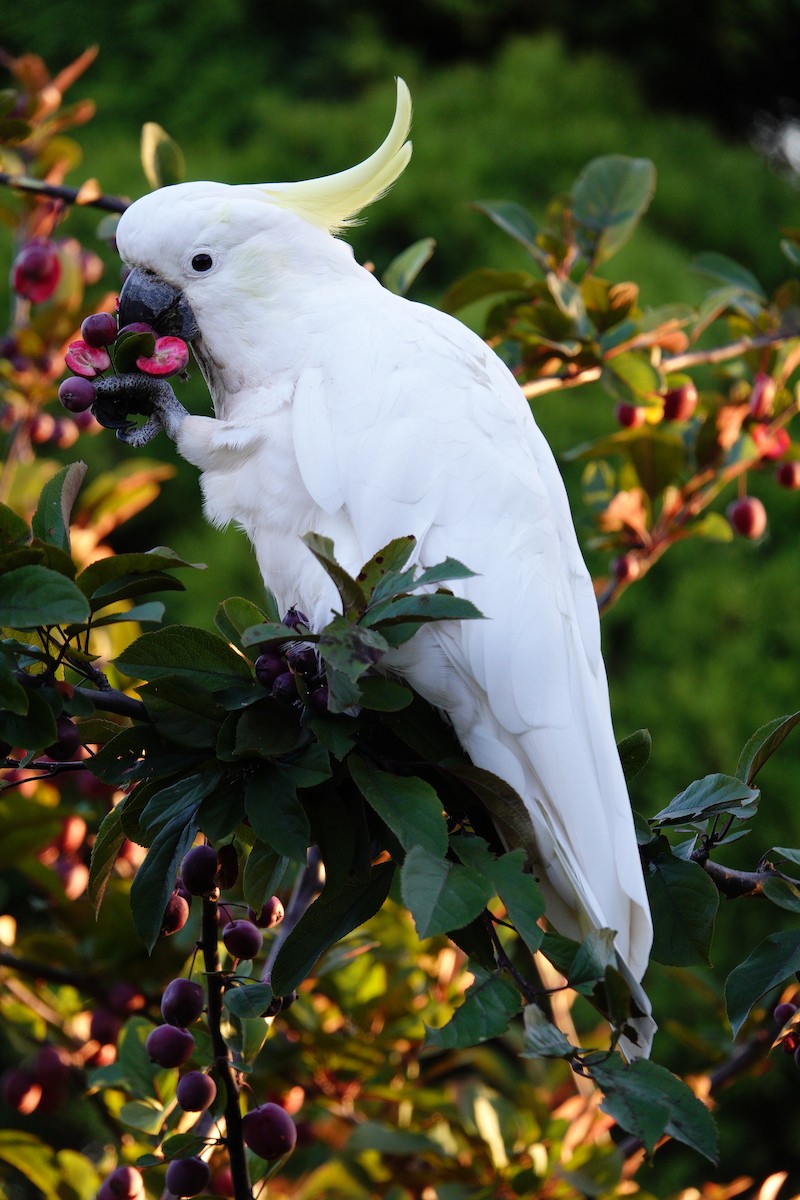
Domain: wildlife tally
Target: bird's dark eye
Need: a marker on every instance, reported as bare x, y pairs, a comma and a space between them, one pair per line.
202, 262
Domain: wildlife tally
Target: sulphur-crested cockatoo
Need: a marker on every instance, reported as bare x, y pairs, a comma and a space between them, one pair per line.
345, 409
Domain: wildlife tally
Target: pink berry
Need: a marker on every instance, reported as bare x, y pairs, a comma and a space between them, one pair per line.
242, 939
269, 1131
170, 355
86, 360
176, 914
680, 402
100, 329
126, 1183
788, 475
748, 517
36, 271
629, 416
770, 443
77, 394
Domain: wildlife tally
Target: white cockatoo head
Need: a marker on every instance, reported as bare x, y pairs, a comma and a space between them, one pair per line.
205, 257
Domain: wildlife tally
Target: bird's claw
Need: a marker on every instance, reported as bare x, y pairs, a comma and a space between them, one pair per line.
119, 395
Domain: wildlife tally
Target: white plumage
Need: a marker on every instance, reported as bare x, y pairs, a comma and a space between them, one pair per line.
344, 409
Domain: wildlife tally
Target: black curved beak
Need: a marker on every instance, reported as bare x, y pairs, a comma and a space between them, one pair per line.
146, 297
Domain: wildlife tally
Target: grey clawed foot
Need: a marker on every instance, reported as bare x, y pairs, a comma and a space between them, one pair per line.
119, 395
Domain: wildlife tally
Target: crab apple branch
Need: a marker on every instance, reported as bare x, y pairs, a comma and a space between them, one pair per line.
84, 196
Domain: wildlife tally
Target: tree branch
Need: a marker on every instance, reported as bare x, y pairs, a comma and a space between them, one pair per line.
68, 195
734, 884
115, 702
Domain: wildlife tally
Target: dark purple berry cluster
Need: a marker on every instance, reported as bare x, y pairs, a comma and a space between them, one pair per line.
292, 671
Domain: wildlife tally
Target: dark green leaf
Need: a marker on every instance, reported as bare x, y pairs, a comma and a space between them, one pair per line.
353, 596
706, 798
409, 806
107, 844
684, 904
181, 797
782, 892
772, 961
403, 270
441, 895
202, 657
263, 875
271, 631
267, 730
541, 1038
222, 811
595, 955
332, 916
236, 615
162, 160
383, 695
488, 1006
276, 815
155, 878
514, 220
430, 606
477, 285
34, 730
634, 752
632, 369
51, 519
151, 613
138, 1072
13, 696
350, 649
13, 530
512, 882
720, 267
35, 596
182, 713
101, 579
609, 198
384, 565
763, 744
387, 1139
506, 807
251, 1000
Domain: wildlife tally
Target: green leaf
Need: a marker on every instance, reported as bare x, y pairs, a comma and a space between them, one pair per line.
350, 649
506, 807
782, 892
101, 579
634, 752
772, 961
383, 695
151, 613
197, 655
268, 729
640, 1094
512, 881
334, 914
353, 597
417, 610
713, 527
708, 797
684, 904
107, 844
404, 269
763, 744
146, 1116
182, 713
250, 1000
594, 956
13, 530
514, 220
34, 596
640, 380
720, 267
263, 875
388, 1139
477, 285
236, 615
162, 159
51, 519
441, 895
33, 1159
181, 798
35, 729
271, 631
138, 1072
409, 806
13, 696
541, 1038
488, 1006
155, 879
386, 563
608, 199
275, 813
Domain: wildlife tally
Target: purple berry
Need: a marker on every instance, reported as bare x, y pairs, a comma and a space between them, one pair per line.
784, 1012
196, 1092
303, 659
271, 914
284, 688
199, 870
318, 700
294, 619
268, 666
176, 914
182, 1002
269, 1131
36, 270
69, 739
125, 1183
242, 939
100, 329
77, 394
187, 1176
169, 1046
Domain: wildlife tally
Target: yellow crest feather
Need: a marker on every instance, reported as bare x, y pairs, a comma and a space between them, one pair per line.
333, 201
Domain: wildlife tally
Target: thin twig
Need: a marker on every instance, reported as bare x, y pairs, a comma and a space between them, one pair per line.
67, 195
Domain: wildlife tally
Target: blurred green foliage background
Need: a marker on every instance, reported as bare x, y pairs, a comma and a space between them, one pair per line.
511, 99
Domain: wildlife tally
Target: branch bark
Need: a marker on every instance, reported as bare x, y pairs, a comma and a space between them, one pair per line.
67, 195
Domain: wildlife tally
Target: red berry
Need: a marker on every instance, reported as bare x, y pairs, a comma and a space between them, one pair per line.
170, 355
629, 416
271, 914
748, 517
784, 1012
680, 402
176, 914
182, 1002
87, 360
269, 1131
242, 939
788, 475
100, 329
196, 1091
169, 1046
199, 870
77, 394
21, 1090
770, 443
626, 568
36, 270
268, 666
187, 1176
222, 1182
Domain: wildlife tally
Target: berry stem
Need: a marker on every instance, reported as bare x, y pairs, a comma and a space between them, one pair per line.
215, 986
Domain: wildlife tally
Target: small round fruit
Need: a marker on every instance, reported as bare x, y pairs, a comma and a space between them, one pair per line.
67, 743
126, 1183
680, 402
104, 1027
176, 914
169, 1046
269, 1131
629, 416
319, 698
762, 397
182, 1002
285, 688
788, 475
626, 568
77, 394
228, 866
196, 1091
36, 270
784, 1012
271, 914
748, 517
242, 939
303, 659
100, 329
199, 870
21, 1090
268, 666
187, 1176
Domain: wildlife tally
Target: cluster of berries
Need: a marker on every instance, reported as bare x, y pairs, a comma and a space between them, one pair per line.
293, 672
103, 346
